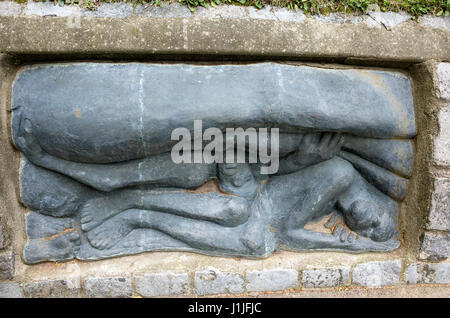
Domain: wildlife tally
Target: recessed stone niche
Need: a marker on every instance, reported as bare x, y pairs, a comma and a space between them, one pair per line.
99, 181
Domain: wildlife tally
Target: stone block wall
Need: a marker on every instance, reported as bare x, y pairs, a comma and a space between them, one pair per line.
436, 239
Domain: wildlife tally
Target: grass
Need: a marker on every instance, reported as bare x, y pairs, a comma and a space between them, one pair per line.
414, 7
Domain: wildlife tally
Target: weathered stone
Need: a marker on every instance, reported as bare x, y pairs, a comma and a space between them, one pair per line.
435, 22
271, 279
404, 45
278, 14
428, 273
325, 277
342, 18
166, 10
6, 265
10, 8
108, 287
51, 289
2, 236
442, 140
162, 284
118, 10
382, 118
212, 281
375, 274
439, 218
389, 19
443, 80
49, 9
225, 12
435, 247
10, 290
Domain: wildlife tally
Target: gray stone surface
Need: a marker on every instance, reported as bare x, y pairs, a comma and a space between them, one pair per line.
442, 140
49, 9
439, 218
435, 246
375, 274
389, 19
6, 265
71, 163
225, 12
278, 14
10, 290
443, 80
435, 22
9, 8
51, 289
162, 284
118, 10
341, 18
212, 281
428, 273
325, 277
271, 279
2, 235
108, 287
166, 10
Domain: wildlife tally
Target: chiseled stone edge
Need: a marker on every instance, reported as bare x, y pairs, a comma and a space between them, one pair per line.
10, 290
376, 274
271, 279
439, 217
435, 246
105, 287
51, 288
325, 277
442, 140
162, 284
221, 31
212, 281
424, 273
443, 77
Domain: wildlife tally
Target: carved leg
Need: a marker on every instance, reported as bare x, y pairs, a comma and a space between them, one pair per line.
226, 210
302, 239
198, 234
329, 180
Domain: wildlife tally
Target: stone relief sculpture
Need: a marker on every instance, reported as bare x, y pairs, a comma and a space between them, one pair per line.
100, 182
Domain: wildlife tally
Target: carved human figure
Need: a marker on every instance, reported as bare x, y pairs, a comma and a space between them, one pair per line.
237, 219
310, 183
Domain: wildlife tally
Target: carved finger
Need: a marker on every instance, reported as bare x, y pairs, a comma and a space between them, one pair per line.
351, 237
325, 140
332, 220
306, 140
335, 140
337, 230
344, 235
339, 143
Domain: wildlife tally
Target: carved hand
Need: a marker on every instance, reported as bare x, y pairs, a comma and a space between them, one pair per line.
318, 147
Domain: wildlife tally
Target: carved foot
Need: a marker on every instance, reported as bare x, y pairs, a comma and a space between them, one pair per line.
113, 230
94, 212
61, 247
39, 225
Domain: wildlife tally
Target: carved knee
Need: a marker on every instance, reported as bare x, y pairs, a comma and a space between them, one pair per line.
341, 172
237, 212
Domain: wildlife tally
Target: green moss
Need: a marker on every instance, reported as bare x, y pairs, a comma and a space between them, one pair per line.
414, 7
